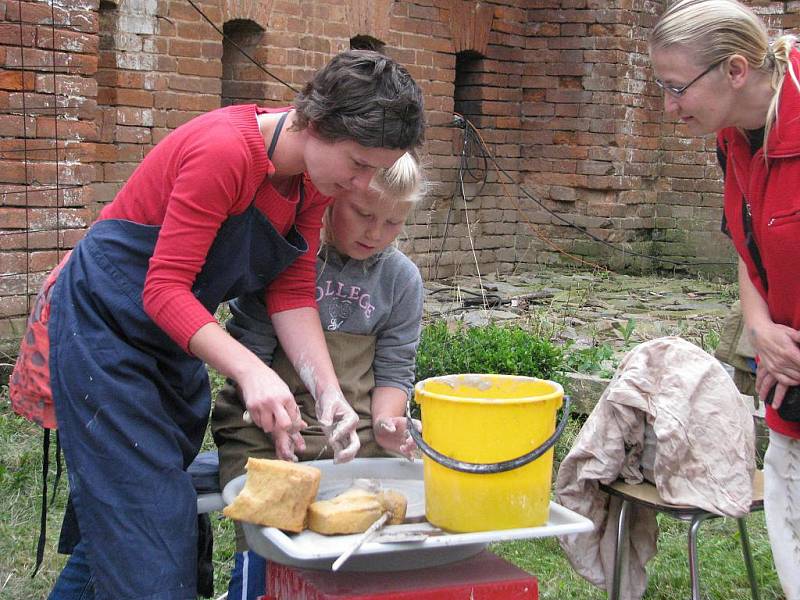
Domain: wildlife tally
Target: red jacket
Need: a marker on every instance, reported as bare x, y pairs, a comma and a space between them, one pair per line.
772, 191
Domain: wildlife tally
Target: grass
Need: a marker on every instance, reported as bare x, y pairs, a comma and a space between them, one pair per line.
723, 576
720, 555
20, 504
722, 571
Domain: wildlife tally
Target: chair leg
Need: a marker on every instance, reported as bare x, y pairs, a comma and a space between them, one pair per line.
622, 531
694, 567
748, 557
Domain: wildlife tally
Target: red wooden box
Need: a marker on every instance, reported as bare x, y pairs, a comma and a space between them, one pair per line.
482, 577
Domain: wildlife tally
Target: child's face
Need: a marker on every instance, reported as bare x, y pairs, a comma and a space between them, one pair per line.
361, 224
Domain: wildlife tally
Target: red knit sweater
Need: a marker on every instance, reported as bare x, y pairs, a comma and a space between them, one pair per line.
190, 183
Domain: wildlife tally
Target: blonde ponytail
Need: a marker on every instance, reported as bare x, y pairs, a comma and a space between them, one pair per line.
779, 54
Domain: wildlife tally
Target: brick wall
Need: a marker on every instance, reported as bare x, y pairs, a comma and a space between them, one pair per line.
560, 92
48, 107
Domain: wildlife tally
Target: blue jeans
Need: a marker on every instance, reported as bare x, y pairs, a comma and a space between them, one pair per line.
248, 577
75, 581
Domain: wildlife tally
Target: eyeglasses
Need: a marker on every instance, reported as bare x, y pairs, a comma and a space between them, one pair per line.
677, 92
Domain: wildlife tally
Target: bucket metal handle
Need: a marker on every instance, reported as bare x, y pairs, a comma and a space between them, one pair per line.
485, 468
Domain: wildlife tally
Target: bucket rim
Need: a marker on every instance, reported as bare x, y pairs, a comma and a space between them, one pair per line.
556, 394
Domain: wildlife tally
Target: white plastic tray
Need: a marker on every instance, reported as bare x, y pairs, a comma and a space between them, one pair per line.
314, 551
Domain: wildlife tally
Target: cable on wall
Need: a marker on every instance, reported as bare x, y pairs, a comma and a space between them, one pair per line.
240, 49
583, 230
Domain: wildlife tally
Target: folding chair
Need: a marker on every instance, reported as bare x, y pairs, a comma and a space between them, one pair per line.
646, 494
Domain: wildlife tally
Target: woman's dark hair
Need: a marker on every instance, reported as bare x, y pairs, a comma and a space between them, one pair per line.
363, 96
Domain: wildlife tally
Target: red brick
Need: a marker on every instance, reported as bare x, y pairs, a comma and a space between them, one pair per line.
200, 67
66, 85
69, 41
36, 12
133, 135
195, 84
12, 306
117, 171
130, 97
22, 262
101, 152
16, 34
180, 47
85, 21
65, 62
48, 127
12, 171
17, 80
67, 174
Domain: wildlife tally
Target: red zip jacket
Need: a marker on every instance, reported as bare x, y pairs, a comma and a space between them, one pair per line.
772, 191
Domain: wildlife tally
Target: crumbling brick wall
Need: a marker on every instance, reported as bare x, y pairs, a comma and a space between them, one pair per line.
48, 111
559, 91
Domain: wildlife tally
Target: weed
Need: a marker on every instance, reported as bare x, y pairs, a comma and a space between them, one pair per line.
597, 359
509, 350
627, 332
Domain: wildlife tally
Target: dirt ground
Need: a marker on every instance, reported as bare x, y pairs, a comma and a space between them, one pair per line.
589, 309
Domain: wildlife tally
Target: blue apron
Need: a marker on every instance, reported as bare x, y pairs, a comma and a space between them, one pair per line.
132, 406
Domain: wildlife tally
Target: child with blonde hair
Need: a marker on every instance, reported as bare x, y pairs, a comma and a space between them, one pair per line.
370, 303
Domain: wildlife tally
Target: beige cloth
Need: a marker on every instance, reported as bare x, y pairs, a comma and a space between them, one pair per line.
352, 357
704, 454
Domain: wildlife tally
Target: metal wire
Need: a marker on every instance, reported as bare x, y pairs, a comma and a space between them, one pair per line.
487, 153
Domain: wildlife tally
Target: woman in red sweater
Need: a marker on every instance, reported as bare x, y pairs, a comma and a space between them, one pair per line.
720, 74
229, 203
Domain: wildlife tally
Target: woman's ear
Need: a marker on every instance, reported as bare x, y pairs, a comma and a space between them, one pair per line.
737, 69
313, 130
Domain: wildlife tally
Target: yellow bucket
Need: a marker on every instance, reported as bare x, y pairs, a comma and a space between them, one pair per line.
487, 441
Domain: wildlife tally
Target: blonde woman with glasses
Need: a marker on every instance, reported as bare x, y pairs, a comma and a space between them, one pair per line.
720, 74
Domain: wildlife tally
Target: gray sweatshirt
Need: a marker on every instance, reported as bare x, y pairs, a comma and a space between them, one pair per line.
380, 296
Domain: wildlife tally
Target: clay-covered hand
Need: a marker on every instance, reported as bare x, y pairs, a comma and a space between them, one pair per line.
339, 422
271, 405
392, 434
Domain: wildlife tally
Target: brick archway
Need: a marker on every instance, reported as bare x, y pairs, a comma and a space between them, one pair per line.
369, 17
257, 11
470, 24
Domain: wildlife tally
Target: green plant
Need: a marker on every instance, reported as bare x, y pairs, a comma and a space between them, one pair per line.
710, 340
597, 359
509, 350
627, 331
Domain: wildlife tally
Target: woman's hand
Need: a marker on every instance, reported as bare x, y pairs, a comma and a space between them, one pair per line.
272, 407
300, 335
776, 345
778, 353
266, 397
392, 434
765, 382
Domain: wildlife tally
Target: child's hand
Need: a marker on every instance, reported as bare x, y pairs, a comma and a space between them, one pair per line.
392, 434
339, 422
